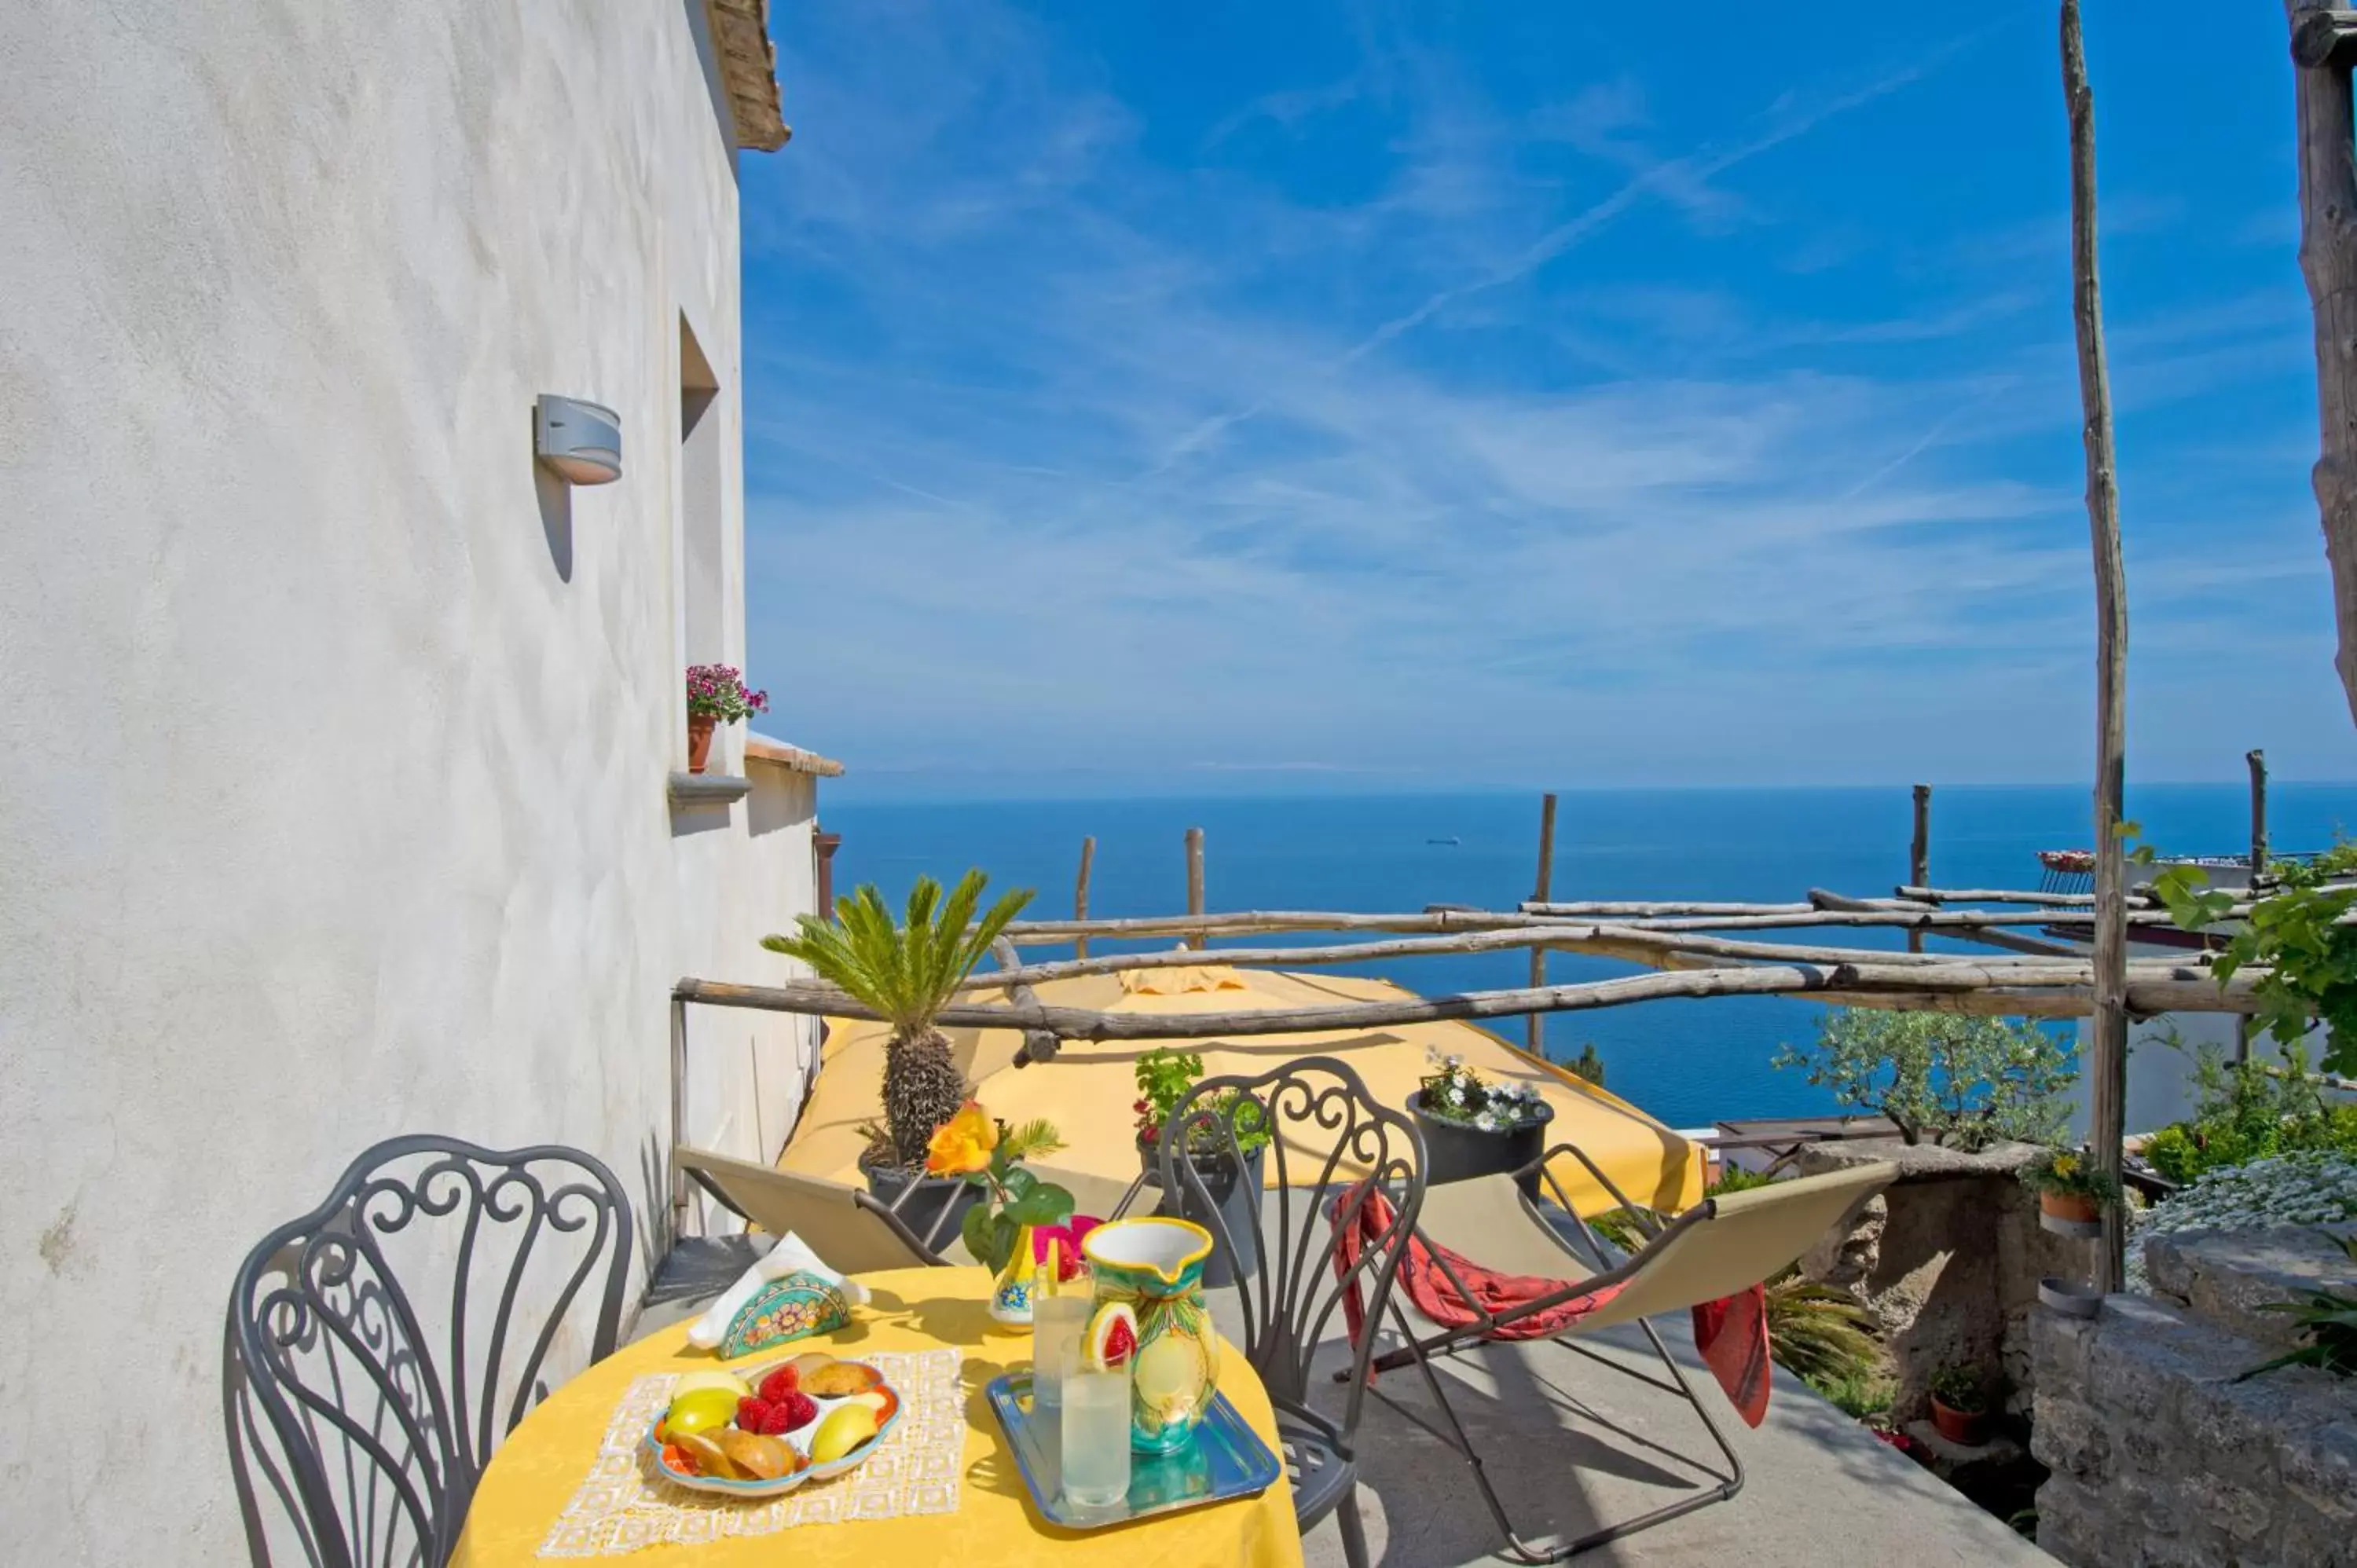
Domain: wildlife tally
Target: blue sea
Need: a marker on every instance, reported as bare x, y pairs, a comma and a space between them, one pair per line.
1688, 1063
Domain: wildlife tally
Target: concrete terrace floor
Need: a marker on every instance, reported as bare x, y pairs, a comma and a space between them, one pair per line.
1570, 1442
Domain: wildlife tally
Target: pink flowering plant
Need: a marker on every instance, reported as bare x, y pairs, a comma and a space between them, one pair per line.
718, 692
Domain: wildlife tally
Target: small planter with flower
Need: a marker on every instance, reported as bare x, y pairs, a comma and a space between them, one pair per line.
1475, 1127
1000, 1230
2072, 1192
717, 694
1960, 1405
1230, 1176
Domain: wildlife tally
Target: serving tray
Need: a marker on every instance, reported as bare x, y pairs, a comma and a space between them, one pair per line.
1227, 1460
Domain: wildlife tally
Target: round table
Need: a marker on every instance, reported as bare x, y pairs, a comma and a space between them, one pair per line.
537, 1470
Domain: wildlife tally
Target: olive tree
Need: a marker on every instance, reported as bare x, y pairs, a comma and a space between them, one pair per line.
1964, 1082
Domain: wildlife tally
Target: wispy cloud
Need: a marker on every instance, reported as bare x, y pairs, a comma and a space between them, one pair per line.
1070, 450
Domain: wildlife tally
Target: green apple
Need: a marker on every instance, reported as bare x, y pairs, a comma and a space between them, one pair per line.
698, 1410
845, 1428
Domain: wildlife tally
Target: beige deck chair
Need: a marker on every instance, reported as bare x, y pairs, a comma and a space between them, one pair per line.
1722, 1245
848, 1227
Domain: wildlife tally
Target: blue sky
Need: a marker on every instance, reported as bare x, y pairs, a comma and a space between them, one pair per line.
1336, 397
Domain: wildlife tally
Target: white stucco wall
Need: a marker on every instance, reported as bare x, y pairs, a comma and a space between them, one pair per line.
336, 738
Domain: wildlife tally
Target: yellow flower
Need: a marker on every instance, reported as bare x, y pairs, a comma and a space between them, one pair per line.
963, 1143
2066, 1165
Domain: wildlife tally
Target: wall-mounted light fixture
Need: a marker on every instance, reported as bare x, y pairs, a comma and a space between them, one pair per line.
580, 443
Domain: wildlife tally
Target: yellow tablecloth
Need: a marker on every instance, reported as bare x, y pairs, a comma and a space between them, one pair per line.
535, 1473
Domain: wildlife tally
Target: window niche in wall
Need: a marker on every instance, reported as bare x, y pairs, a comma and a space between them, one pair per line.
703, 600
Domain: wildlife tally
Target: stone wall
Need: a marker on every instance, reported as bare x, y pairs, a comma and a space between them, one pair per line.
2158, 1456
1948, 1256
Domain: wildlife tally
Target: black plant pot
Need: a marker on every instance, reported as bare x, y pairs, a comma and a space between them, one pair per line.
924, 1207
1456, 1151
1233, 1193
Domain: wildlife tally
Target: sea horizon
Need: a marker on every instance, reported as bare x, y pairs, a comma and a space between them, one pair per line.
1687, 1062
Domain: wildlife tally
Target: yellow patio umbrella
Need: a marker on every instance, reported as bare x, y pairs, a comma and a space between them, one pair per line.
1088, 1090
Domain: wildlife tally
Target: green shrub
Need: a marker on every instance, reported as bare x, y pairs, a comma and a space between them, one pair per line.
1965, 1082
2294, 936
2245, 1113
1860, 1395
1620, 1227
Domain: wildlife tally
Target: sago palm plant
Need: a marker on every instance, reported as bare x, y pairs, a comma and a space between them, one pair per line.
907, 972
1820, 1333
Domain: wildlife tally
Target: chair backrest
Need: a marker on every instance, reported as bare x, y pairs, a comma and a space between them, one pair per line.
848, 1227
1329, 1143
1732, 1241
374, 1356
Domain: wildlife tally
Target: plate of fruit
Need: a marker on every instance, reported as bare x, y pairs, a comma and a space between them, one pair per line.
763, 1432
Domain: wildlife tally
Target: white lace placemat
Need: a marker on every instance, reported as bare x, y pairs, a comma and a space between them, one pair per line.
626, 1503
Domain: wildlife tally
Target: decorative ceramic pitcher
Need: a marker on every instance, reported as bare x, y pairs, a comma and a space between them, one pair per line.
1154, 1266
1010, 1293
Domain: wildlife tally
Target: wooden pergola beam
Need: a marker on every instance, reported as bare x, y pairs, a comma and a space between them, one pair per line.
2034, 991
1633, 944
1890, 912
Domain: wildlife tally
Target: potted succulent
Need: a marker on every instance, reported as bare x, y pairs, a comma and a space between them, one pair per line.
2071, 1186
1472, 1127
1960, 1405
1164, 1077
907, 974
717, 694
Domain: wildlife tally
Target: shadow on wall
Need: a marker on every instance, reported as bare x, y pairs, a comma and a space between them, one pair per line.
781, 798
556, 519
700, 817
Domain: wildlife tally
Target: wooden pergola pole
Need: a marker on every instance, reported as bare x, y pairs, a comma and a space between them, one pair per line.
2256, 760
1543, 891
2324, 47
1081, 893
2107, 1031
1195, 939
1919, 854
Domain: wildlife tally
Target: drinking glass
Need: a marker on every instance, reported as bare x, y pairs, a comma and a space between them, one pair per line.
1057, 1322
1096, 1418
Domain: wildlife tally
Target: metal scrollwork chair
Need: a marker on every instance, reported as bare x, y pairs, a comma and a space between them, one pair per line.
372, 1359
1331, 1145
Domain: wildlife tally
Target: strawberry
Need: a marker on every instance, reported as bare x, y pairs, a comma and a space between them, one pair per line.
754, 1413
779, 1383
795, 1410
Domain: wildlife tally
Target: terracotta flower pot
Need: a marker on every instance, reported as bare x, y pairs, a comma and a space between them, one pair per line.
699, 740
1969, 1428
2073, 1206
